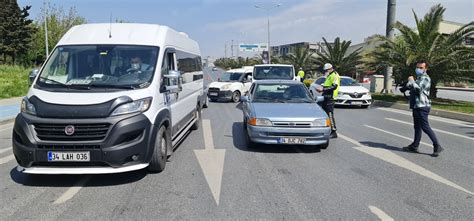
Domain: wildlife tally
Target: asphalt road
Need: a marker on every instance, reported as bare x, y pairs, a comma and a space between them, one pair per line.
363, 175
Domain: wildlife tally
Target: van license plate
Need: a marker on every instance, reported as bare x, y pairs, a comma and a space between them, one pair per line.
213, 94
83, 156
292, 140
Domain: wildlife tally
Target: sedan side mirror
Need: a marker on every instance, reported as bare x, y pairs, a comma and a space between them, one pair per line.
244, 98
319, 99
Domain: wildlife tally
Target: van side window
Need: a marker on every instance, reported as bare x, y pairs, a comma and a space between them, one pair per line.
190, 66
168, 64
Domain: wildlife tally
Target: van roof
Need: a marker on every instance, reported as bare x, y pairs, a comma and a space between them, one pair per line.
269, 65
128, 34
242, 70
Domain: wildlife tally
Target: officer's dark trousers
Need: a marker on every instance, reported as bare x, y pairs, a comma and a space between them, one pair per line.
420, 120
328, 107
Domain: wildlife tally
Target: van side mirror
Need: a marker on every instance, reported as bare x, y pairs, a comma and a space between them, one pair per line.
173, 81
32, 76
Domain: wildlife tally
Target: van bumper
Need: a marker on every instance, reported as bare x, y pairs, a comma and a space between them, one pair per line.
127, 145
219, 95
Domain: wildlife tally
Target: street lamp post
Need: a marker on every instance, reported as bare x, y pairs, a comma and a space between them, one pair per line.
267, 9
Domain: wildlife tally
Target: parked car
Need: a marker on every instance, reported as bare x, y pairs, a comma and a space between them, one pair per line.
231, 85
110, 101
214, 68
351, 93
267, 120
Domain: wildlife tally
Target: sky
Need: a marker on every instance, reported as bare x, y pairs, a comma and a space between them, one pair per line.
215, 24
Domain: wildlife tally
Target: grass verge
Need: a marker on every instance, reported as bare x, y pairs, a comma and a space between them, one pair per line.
438, 103
13, 81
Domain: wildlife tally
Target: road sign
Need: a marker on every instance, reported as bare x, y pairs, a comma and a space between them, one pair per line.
252, 47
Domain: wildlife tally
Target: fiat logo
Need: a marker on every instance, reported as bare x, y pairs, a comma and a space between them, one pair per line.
69, 130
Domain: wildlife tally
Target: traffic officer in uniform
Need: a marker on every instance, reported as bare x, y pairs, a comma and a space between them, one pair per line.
330, 91
301, 74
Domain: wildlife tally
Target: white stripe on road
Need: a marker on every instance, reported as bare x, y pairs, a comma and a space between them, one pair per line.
6, 159
435, 118
380, 214
390, 157
69, 194
5, 150
437, 130
396, 135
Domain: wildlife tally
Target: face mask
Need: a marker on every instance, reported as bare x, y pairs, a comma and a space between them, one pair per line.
135, 66
419, 71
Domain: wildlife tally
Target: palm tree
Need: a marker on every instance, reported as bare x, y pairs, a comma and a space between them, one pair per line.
336, 54
447, 57
301, 58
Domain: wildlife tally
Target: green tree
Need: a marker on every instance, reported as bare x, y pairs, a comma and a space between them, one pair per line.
448, 58
301, 58
59, 21
336, 54
15, 30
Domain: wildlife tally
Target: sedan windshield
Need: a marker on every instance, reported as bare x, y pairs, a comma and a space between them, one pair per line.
230, 76
281, 93
99, 66
344, 82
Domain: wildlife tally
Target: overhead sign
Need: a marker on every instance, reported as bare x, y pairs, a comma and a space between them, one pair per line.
253, 47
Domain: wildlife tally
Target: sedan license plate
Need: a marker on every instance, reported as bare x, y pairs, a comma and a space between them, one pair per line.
213, 94
83, 156
356, 102
292, 140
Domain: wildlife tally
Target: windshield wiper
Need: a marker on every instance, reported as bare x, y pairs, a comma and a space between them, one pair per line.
54, 81
130, 87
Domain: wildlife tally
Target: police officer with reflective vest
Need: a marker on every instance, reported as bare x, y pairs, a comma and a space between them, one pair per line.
301, 74
330, 91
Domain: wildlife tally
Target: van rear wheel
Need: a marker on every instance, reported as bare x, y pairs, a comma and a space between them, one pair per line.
236, 96
158, 160
197, 115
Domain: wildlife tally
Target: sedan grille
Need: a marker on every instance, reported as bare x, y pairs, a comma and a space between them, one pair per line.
292, 124
357, 95
82, 132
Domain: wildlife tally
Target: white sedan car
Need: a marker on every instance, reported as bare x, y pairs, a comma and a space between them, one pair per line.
351, 93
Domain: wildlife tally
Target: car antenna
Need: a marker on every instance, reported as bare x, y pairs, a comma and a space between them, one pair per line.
110, 28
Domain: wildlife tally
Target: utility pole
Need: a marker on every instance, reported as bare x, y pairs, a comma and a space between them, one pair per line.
46, 30
225, 50
268, 29
232, 48
390, 34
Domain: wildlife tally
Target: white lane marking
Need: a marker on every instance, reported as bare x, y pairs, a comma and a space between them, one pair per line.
6, 159
380, 214
397, 135
437, 130
69, 194
211, 161
390, 157
435, 118
5, 150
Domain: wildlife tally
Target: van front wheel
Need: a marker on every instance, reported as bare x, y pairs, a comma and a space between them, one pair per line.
158, 160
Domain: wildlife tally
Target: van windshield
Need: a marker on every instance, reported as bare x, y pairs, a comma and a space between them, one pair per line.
231, 76
274, 72
99, 66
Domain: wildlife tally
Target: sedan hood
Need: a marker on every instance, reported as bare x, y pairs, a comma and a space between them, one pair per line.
288, 111
353, 89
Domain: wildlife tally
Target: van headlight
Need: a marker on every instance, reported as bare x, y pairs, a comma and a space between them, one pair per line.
133, 107
27, 107
226, 87
260, 122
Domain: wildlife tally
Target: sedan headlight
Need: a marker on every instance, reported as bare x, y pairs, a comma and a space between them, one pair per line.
260, 122
321, 123
27, 107
133, 107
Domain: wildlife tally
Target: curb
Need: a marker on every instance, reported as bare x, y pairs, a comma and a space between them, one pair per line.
434, 112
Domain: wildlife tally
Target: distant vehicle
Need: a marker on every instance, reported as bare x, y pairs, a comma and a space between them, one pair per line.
110, 100
267, 120
214, 68
231, 85
274, 72
351, 93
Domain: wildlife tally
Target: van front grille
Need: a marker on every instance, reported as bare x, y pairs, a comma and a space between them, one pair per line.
82, 132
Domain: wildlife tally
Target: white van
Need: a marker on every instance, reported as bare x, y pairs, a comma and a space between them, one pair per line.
274, 72
231, 84
110, 98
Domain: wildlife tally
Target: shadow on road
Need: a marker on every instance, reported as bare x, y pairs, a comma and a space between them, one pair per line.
240, 142
239, 106
70, 180
387, 147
